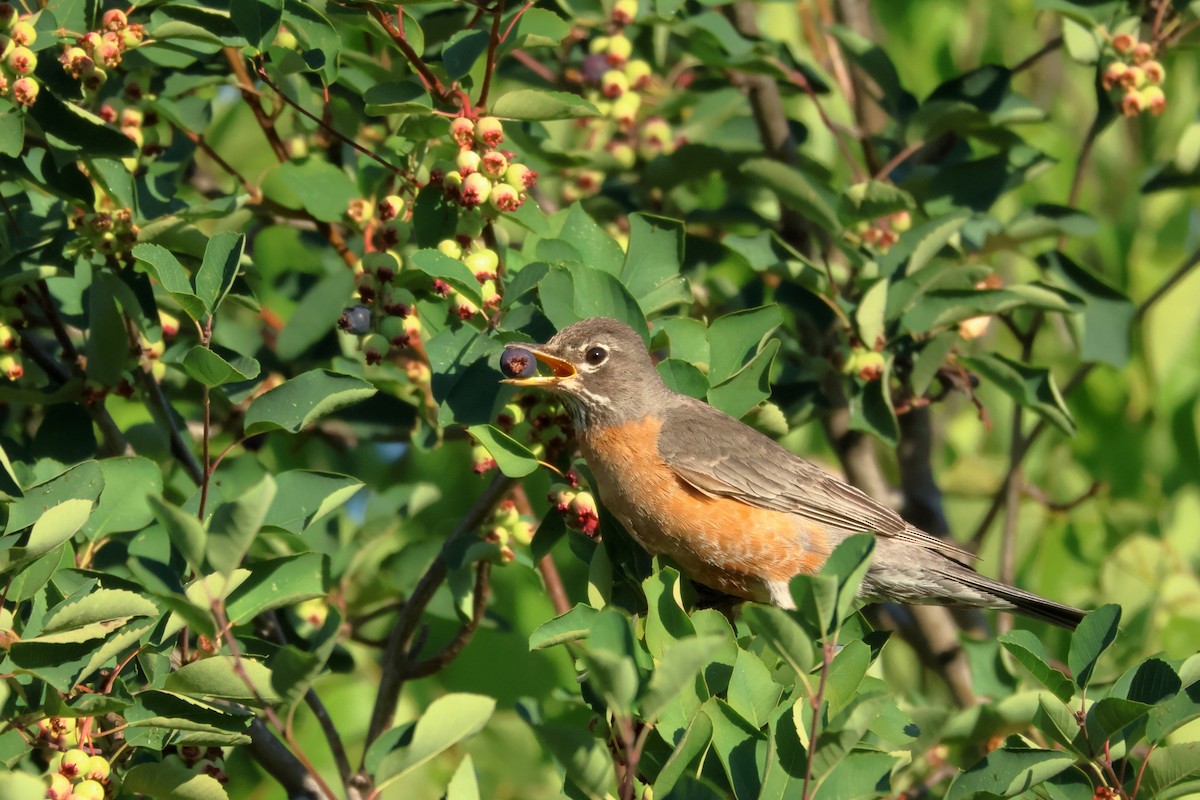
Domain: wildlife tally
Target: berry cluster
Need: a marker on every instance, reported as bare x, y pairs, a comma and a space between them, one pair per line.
1137, 75
625, 91
880, 234
505, 527
484, 264
17, 60
108, 233
484, 176
11, 366
541, 423
577, 506
208, 761
79, 775
96, 51
382, 312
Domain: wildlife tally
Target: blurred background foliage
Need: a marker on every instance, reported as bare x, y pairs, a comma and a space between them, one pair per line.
290, 163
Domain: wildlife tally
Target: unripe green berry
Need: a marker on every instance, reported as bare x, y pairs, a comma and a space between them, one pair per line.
97, 768
23, 34
21, 60
483, 263
613, 84
489, 131
475, 190
73, 763
467, 161
450, 248
462, 131
520, 177
619, 49
88, 790
505, 198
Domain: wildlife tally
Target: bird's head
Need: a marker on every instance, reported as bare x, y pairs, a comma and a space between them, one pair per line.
599, 367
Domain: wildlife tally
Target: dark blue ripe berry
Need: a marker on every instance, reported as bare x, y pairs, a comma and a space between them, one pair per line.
356, 320
516, 362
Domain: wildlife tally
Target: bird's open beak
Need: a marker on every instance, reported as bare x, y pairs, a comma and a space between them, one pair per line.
561, 370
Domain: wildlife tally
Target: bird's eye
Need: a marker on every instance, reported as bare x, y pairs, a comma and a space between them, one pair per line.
595, 356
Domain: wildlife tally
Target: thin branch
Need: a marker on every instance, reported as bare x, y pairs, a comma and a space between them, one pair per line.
899, 159
396, 32
198, 140
262, 74
396, 651
1018, 453
455, 646
332, 736
1045, 50
246, 85
493, 44
828, 648
280, 763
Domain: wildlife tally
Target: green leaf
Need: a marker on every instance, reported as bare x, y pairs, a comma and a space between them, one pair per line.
735, 741
462, 50
446, 722
303, 497
400, 97
219, 268
591, 241
676, 669
84, 481
257, 20
1168, 766
226, 678
583, 757
107, 348
1109, 715
784, 635
574, 291
540, 27
234, 525
532, 104
316, 186
186, 533
652, 263
666, 620
1093, 636
858, 775
172, 780
437, 264
871, 409
21, 786
1108, 315
1028, 649
12, 133
1007, 772
795, 190
683, 377
869, 316
1031, 387
212, 370
695, 741
100, 606
735, 337
56, 525
513, 458
171, 276
747, 387
847, 564
752, 692
871, 200
295, 404
942, 307
129, 483
464, 785
276, 583
71, 129
1169, 715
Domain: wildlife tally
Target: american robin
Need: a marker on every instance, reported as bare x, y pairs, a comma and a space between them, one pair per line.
734, 509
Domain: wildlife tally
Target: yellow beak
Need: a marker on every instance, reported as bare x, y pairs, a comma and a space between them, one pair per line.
561, 369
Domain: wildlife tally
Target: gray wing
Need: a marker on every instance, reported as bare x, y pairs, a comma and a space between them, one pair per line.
761, 473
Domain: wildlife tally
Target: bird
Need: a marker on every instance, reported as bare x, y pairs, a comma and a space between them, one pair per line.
737, 511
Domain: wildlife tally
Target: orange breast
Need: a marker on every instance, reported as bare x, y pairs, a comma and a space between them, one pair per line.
718, 541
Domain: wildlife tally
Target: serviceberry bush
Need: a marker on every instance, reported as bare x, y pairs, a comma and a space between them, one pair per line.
272, 527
